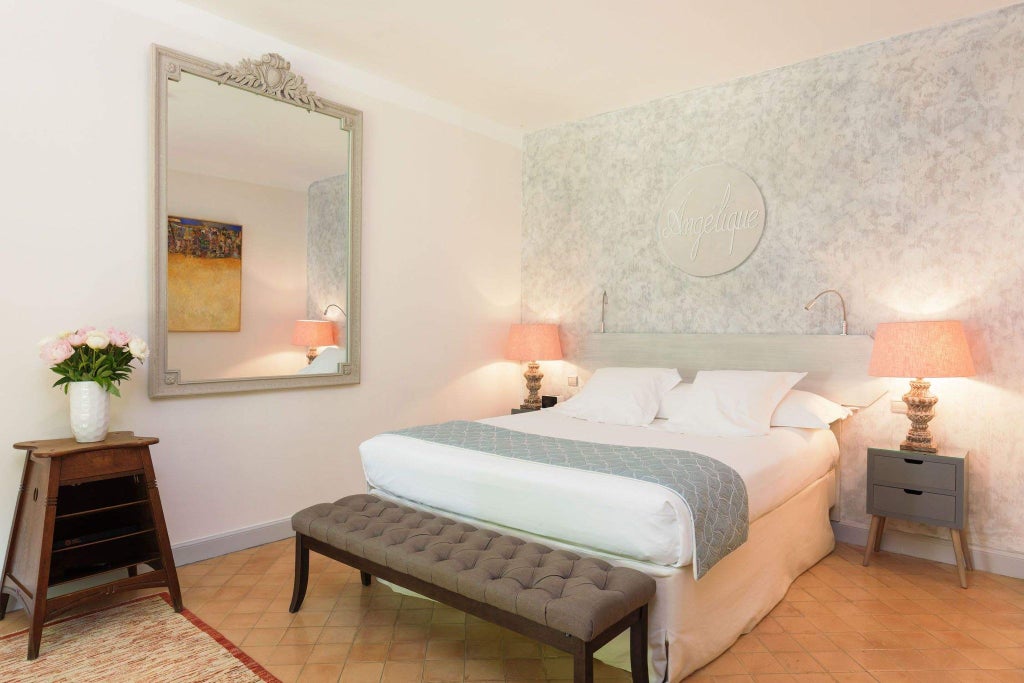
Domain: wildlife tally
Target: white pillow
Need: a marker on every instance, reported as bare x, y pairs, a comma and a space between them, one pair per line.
728, 402
623, 396
807, 410
676, 401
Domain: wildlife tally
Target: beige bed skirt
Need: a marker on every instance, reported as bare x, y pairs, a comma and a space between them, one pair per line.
692, 622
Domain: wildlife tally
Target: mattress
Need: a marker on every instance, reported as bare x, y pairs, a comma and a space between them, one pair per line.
629, 518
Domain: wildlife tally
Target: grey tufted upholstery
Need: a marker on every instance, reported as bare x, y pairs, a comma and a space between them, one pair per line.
577, 595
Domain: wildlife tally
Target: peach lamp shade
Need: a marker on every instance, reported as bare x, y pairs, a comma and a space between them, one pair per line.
532, 342
313, 333
921, 349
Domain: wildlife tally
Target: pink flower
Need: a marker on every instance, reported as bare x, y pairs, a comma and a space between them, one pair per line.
78, 338
56, 351
119, 337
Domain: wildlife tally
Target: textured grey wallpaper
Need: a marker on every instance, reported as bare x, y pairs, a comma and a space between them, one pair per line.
327, 246
893, 172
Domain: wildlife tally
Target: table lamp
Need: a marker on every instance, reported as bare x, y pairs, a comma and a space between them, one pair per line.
918, 350
311, 334
531, 343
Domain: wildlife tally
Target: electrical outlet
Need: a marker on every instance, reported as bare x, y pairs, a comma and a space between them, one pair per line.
574, 381
898, 407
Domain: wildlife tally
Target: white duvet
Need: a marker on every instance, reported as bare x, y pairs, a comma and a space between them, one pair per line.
625, 517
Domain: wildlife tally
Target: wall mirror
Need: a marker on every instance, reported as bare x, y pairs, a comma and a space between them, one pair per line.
257, 210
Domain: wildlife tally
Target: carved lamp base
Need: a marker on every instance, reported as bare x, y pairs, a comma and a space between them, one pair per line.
920, 410
312, 353
533, 377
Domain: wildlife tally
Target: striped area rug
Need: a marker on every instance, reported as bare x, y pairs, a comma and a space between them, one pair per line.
141, 641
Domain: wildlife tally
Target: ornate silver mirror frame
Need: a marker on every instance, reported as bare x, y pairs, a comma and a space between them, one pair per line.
270, 77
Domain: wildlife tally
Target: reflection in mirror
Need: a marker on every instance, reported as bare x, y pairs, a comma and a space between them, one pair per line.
258, 207
257, 197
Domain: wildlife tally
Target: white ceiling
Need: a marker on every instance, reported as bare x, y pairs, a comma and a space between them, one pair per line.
534, 63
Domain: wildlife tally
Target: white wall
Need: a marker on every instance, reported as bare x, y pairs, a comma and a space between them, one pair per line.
273, 223
440, 264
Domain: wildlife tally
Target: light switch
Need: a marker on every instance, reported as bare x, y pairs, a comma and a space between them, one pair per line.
574, 381
898, 407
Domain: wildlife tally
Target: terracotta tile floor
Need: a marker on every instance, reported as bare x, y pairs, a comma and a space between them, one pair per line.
901, 619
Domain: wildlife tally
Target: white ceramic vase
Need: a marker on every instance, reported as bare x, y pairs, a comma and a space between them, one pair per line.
90, 411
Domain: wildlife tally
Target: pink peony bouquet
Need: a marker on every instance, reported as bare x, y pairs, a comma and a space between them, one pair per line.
89, 355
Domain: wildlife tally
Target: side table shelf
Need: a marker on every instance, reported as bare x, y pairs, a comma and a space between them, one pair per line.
85, 510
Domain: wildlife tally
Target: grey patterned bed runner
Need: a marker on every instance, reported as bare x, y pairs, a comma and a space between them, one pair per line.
713, 492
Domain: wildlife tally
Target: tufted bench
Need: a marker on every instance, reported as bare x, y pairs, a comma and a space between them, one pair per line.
573, 603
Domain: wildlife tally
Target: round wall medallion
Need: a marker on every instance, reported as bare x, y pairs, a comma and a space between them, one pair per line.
711, 220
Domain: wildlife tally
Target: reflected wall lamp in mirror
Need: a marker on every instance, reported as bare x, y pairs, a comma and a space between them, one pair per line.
257, 198
330, 306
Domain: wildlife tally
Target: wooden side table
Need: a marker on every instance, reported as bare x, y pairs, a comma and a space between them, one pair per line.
85, 509
930, 488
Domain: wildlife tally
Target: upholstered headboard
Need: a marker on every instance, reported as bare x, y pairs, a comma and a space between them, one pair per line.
836, 365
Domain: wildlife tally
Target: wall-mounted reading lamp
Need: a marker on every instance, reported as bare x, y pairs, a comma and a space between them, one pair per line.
330, 306
810, 304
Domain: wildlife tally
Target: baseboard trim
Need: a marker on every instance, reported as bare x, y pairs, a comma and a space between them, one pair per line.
219, 544
231, 541
1000, 562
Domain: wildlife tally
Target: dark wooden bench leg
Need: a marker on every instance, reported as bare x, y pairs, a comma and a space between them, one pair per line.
301, 574
364, 578
4, 599
638, 647
583, 664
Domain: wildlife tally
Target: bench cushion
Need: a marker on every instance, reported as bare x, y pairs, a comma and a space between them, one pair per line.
581, 596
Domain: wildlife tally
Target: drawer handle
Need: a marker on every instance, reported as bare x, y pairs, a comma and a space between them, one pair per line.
913, 462
913, 492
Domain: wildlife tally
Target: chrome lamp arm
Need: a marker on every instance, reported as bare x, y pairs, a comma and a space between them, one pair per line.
842, 302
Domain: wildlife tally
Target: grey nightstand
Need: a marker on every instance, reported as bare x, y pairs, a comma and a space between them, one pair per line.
930, 488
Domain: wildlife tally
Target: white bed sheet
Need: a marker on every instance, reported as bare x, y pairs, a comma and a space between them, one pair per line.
616, 515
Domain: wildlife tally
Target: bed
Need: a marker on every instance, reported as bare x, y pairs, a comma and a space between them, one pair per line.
790, 475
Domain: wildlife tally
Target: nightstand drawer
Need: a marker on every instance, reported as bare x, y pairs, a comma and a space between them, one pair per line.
914, 472
934, 508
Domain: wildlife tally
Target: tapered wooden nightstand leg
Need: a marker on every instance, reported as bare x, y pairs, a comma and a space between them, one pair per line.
872, 535
881, 531
958, 550
965, 543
